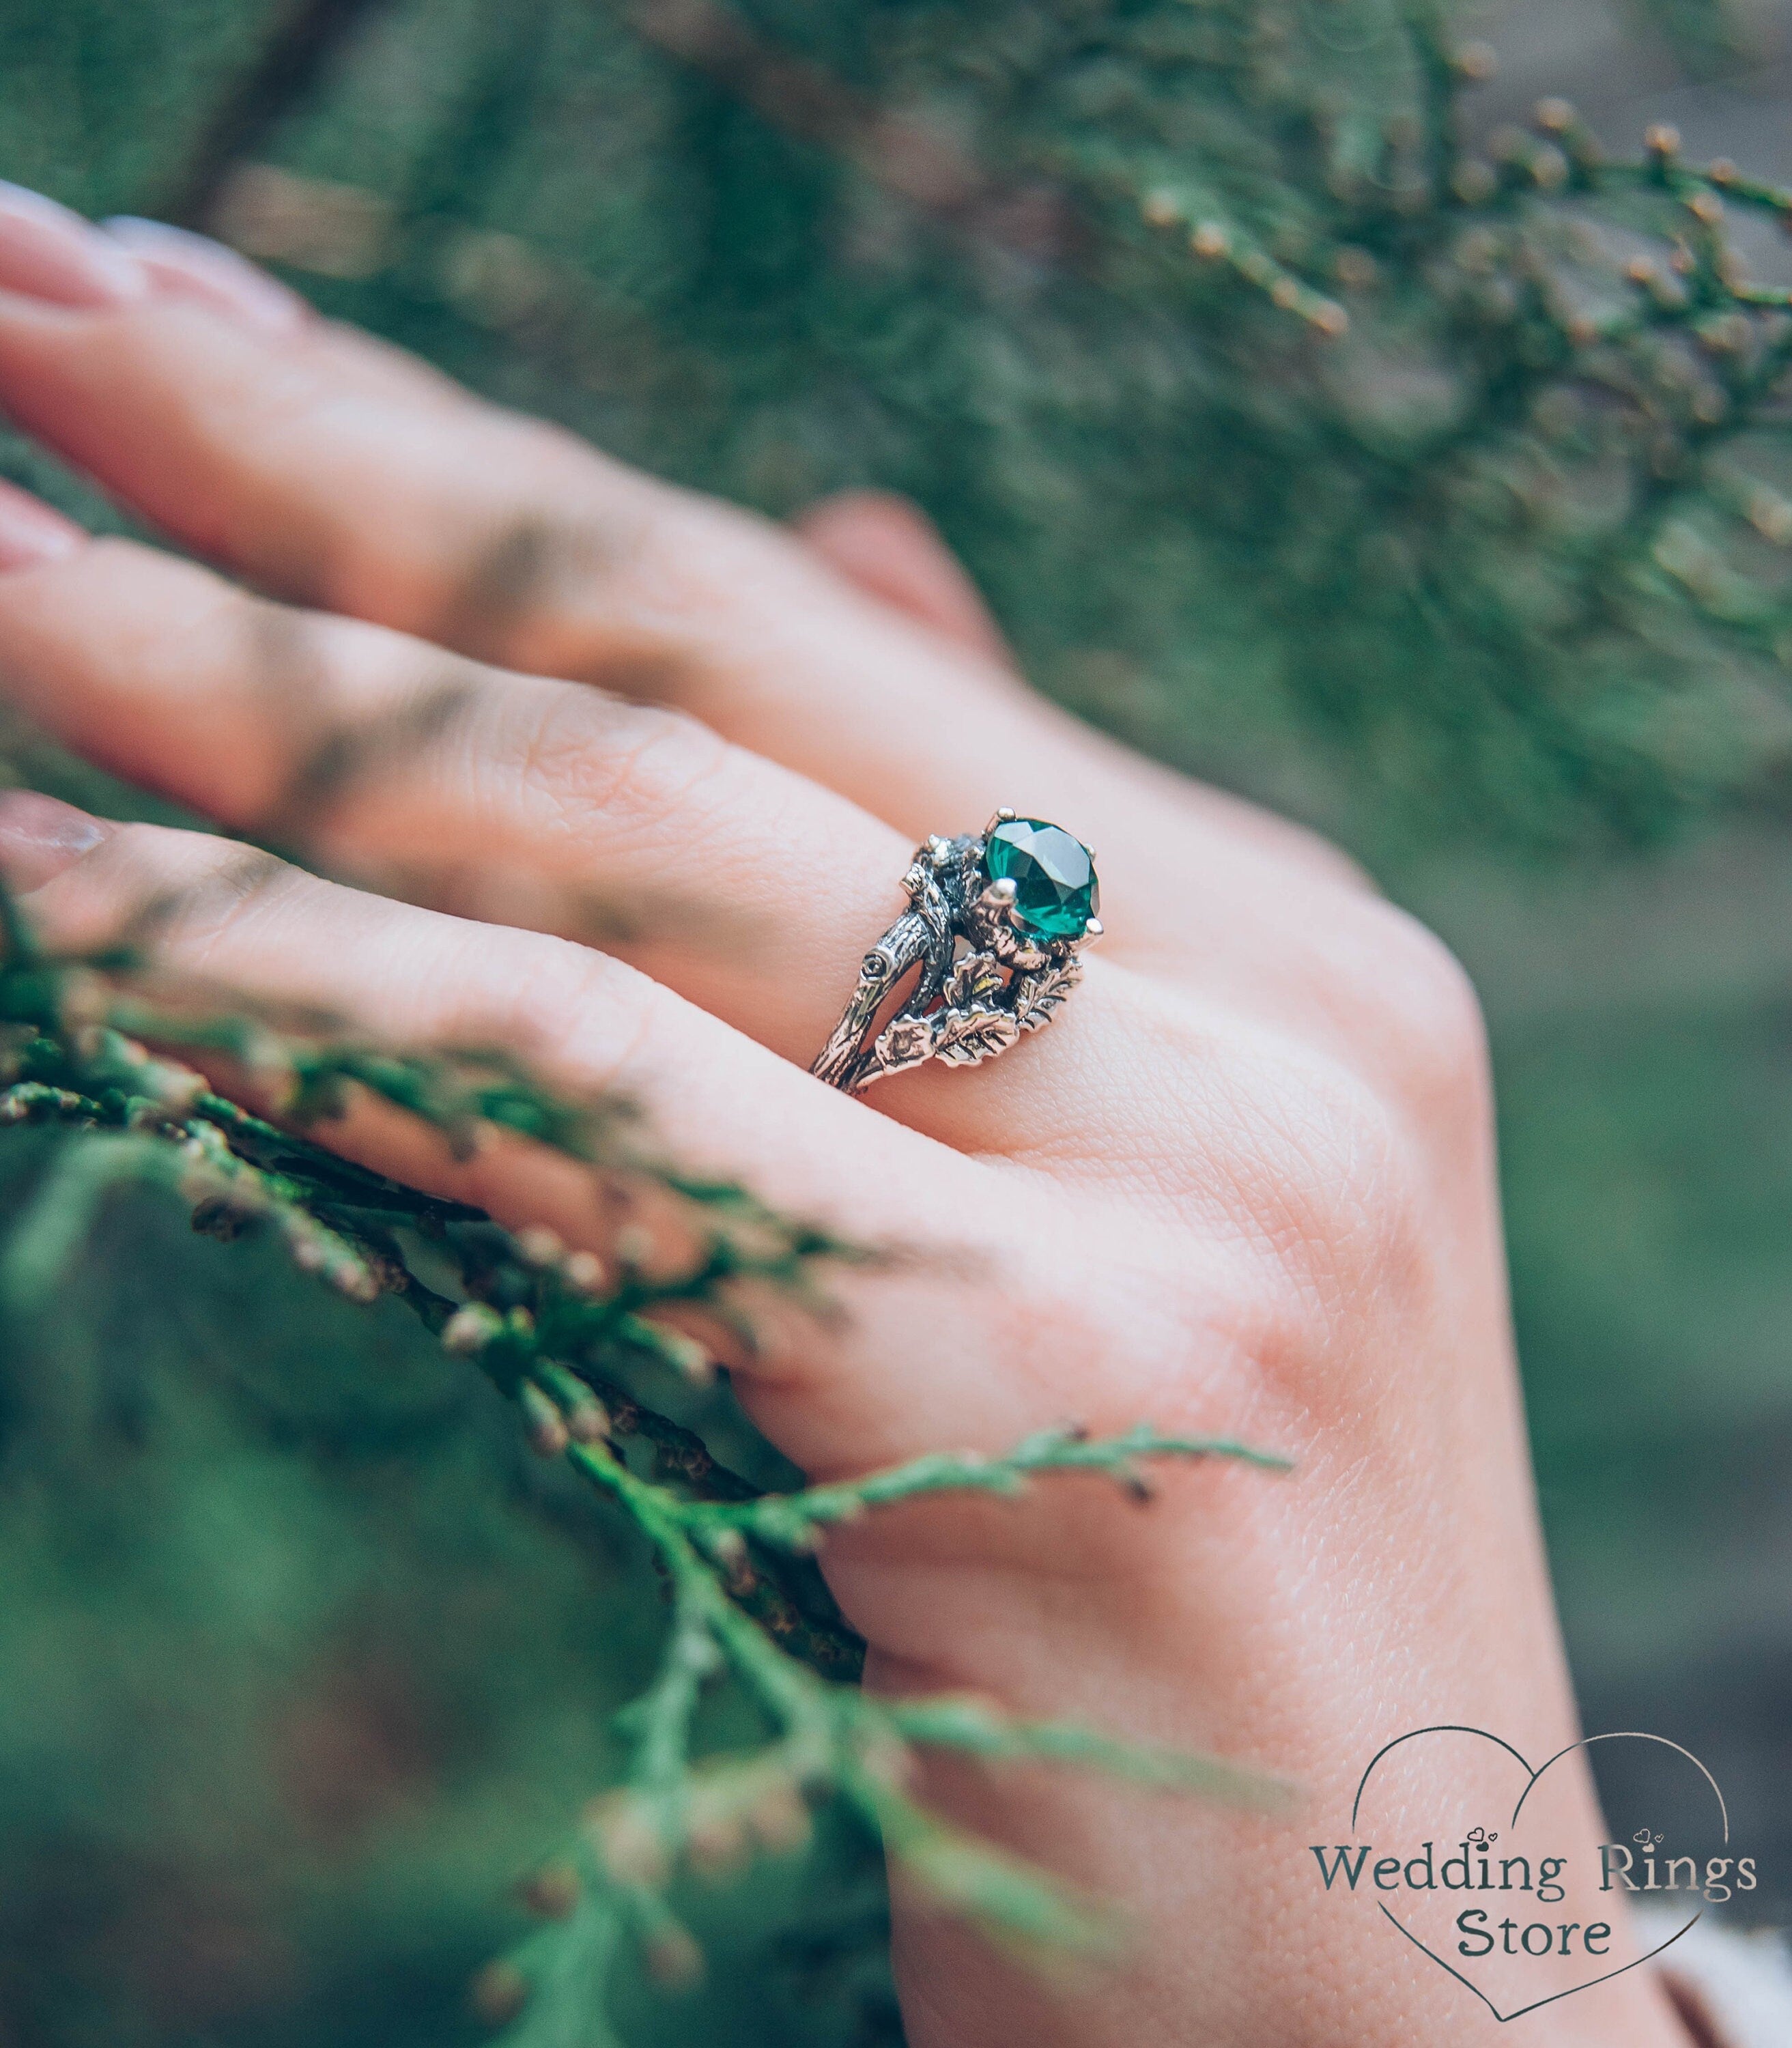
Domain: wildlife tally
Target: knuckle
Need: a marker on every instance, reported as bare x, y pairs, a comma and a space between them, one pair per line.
212, 906
212, 661
1346, 1159
1415, 1018
570, 563
570, 1012
1338, 1200
1313, 1183
634, 768
173, 895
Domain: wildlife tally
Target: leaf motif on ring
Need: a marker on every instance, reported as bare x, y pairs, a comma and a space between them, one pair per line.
1036, 996
905, 1041
971, 1035
973, 981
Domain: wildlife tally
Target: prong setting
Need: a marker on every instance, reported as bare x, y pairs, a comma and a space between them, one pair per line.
994, 926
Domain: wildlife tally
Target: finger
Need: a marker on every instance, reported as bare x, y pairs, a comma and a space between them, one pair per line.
181, 264
519, 799
732, 881
720, 1105
528, 800
891, 550
512, 798
31, 533
324, 473
49, 252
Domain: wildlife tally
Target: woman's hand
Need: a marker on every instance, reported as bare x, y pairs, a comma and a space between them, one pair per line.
1243, 1186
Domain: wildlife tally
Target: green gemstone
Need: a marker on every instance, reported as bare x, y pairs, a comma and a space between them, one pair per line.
1055, 890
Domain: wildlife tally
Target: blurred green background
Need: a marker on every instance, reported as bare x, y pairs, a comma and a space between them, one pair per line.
300, 1661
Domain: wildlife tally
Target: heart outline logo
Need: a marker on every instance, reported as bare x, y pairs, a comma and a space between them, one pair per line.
1532, 1776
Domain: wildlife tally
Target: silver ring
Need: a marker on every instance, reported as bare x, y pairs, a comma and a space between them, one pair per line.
1021, 897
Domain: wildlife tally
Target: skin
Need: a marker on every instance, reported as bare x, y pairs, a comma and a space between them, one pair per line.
1243, 1186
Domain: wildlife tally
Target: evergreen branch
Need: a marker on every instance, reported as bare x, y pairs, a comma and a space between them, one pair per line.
798, 1521
551, 1328
978, 1728
838, 1742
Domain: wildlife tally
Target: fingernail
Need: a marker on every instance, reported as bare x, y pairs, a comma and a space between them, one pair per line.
40, 837
195, 267
46, 252
31, 534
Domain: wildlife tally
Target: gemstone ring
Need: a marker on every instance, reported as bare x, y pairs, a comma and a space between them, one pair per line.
1019, 898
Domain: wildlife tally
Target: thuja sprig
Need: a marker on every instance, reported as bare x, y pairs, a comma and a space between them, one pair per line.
1513, 394
799, 1521
828, 1741
558, 1332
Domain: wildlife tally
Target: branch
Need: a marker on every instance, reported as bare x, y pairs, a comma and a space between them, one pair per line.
797, 1521
554, 1331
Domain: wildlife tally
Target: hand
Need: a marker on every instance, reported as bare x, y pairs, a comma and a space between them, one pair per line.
1243, 1186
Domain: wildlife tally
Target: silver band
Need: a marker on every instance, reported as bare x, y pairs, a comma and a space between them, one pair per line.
964, 1006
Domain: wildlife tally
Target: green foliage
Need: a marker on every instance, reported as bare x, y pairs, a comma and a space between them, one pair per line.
570, 1338
1267, 410
1243, 385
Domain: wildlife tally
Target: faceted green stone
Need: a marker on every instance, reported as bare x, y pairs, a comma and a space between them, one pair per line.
1055, 890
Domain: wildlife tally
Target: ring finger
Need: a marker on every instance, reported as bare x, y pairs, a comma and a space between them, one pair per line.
238, 921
